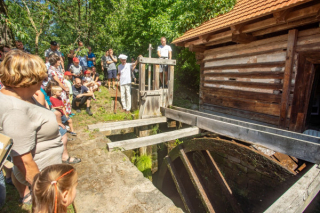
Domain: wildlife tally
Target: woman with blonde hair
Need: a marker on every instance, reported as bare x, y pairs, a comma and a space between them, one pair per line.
33, 128
54, 189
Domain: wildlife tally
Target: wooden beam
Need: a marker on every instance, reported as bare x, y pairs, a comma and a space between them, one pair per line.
152, 140
292, 40
243, 38
286, 26
194, 48
144, 60
250, 65
180, 188
299, 196
236, 29
196, 181
281, 16
253, 75
292, 146
245, 84
170, 85
142, 76
126, 124
156, 69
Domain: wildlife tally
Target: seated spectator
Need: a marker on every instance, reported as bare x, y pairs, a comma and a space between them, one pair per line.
20, 46
33, 128
54, 189
57, 104
95, 77
67, 81
81, 95
57, 75
75, 69
89, 82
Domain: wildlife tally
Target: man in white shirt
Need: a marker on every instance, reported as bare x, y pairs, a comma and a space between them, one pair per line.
164, 51
124, 74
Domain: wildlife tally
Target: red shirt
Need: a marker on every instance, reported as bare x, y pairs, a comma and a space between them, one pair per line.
56, 102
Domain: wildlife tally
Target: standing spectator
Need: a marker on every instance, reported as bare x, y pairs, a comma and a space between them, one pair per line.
112, 70
91, 58
124, 74
54, 49
81, 95
67, 81
4, 49
57, 75
34, 129
81, 56
70, 58
104, 66
75, 69
62, 55
164, 51
95, 77
20, 46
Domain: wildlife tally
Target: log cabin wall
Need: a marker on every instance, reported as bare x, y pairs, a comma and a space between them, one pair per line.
256, 80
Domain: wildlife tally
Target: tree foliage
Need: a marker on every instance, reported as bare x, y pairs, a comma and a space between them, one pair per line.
127, 26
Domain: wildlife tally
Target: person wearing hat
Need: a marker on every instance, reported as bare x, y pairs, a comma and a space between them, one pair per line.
67, 81
76, 69
54, 49
124, 74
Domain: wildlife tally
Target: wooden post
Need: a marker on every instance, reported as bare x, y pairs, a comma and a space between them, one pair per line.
292, 40
149, 68
171, 83
142, 77
156, 69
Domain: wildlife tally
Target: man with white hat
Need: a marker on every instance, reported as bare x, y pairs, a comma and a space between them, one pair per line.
124, 74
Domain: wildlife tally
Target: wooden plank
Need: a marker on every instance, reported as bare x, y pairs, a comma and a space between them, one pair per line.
244, 114
211, 38
250, 65
246, 84
286, 26
154, 139
262, 58
196, 181
156, 83
260, 127
292, 39
258, 75
244, 104
299, 196
223, 183
265, 69
214, 92
126, 124
142, 76
180, 188
144, 60
171, 85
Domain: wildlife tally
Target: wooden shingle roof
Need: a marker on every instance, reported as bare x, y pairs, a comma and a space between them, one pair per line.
243, 11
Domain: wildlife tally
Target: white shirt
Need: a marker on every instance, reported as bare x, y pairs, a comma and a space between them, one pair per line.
164, 50
125, 73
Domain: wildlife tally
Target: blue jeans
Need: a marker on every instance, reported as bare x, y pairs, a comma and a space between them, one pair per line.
2, 189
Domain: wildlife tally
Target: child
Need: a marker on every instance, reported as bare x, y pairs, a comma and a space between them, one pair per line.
66, 81
76, 69
54, 189
58, 105
89, 82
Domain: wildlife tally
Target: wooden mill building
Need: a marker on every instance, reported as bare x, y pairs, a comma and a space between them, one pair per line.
260, 62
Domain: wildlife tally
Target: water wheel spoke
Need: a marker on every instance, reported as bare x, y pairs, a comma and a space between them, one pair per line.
196, 181
226, 190
181, 190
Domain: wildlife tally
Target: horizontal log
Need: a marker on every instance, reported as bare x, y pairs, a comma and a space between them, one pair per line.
263, 58
251, 65
292, 146
244, 104
265, 69
286, 26
299, 196
253, 116
271, 98
144, 60
152, 140
258, 75
126, 124
246, 84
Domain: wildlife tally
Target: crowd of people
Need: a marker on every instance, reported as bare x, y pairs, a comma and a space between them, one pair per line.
36, 99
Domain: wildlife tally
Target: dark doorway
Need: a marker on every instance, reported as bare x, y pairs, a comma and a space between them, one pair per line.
313, 115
